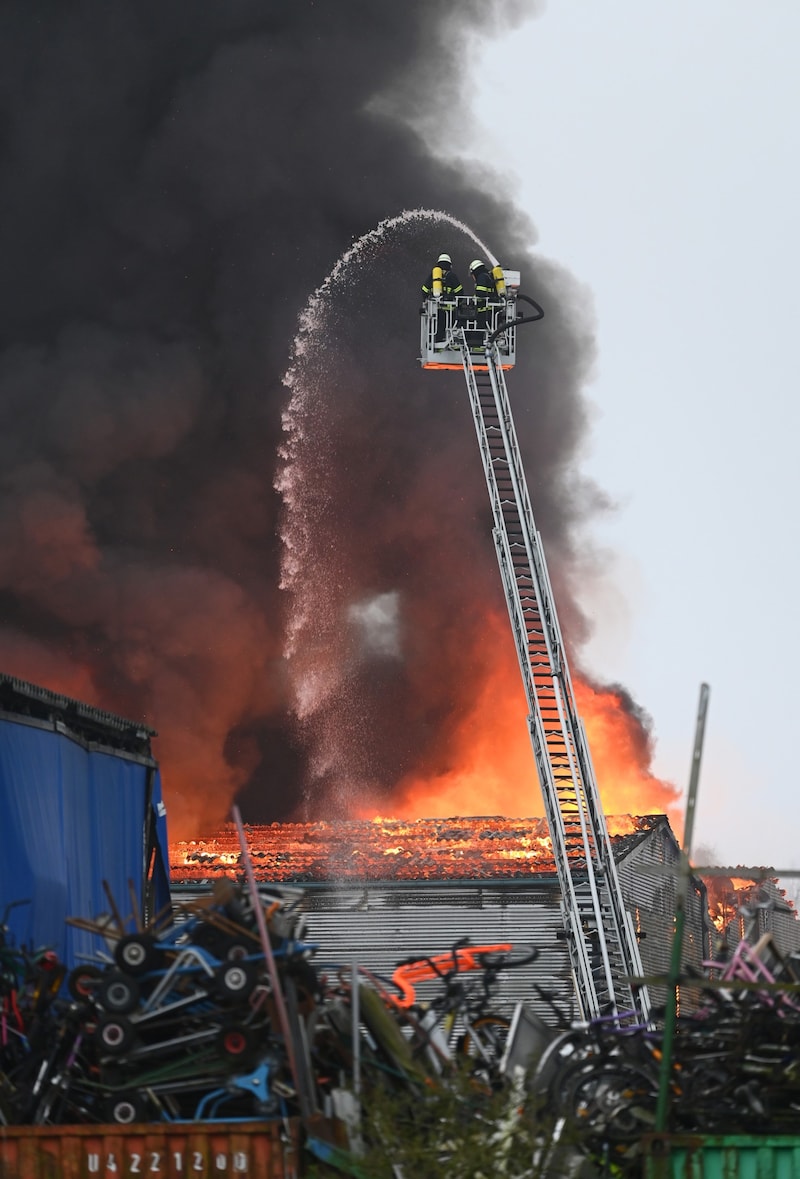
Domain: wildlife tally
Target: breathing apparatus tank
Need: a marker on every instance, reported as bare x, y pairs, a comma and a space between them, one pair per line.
437, 285
499, 281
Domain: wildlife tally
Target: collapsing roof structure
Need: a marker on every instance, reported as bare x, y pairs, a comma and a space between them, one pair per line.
383, 890
475, 848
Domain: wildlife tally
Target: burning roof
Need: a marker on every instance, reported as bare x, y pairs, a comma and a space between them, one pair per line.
390, 849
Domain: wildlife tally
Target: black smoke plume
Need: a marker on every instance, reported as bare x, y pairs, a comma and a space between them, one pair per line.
176, 179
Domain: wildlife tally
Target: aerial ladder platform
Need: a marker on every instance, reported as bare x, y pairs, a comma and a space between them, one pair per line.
603, 947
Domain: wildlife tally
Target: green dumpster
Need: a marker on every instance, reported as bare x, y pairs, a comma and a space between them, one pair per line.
728, 1156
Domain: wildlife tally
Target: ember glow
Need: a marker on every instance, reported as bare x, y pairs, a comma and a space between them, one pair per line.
386, 849
736, 899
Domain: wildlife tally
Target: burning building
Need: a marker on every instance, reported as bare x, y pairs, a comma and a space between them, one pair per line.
145, 512
380, 891
159, 559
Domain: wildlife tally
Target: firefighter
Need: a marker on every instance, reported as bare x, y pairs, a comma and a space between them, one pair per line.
485, 286
444, 285
485, 297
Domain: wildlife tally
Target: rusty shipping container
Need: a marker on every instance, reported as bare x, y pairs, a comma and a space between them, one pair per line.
196, 1150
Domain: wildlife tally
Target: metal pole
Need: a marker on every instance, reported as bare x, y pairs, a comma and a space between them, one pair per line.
355, 1004
277, 993
670, 1015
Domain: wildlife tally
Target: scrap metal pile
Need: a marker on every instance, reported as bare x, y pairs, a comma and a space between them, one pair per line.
175, 1021
731, 1067
194, 1018
221, 1010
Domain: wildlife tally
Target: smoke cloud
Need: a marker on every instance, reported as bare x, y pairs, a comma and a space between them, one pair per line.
176, 180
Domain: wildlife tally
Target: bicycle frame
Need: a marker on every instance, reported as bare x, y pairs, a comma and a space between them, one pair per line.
461, 959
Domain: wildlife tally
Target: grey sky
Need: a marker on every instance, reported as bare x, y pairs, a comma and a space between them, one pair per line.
655, 148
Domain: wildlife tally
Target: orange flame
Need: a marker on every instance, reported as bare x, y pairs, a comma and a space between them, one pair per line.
384, 849
492, 771
621, 751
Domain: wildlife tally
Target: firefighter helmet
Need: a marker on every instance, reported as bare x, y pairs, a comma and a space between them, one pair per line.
445, 258
473, 266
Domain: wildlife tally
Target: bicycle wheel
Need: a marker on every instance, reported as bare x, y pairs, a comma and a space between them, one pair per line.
609, 1100
486, 1041
508, 959
560, 1058
705, 1101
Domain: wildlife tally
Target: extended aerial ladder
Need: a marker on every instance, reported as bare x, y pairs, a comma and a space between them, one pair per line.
603, 948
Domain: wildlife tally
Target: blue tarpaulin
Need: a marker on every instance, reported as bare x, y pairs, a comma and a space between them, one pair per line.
71, 816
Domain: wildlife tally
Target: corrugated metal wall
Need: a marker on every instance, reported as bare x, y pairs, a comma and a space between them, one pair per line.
721, 1157
377, 925
648, 878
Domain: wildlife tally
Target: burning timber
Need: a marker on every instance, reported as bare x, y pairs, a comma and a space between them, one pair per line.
482, 848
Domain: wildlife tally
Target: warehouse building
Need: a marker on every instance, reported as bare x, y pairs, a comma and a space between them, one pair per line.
378, 892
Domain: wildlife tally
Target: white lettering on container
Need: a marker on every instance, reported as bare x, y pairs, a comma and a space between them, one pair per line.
239, 1162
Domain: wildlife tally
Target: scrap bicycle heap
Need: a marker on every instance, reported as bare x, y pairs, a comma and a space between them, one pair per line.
178, 1021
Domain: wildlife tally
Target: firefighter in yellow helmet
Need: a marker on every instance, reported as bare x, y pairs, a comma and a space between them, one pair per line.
444, 285
485, 286
485, 297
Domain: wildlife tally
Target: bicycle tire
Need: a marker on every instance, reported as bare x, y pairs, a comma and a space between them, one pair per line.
609, 1100
496, 1029
565, 1052
508, 959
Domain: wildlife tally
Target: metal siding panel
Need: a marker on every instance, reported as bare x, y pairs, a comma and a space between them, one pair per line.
378, 927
